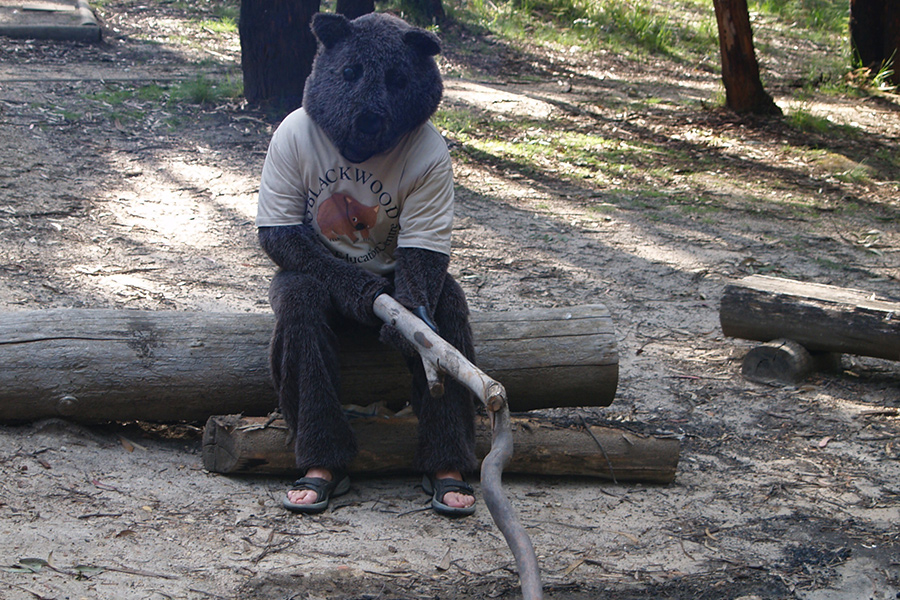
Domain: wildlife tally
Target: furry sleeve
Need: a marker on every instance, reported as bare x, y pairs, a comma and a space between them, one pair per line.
418, 281
353, 289
419, 278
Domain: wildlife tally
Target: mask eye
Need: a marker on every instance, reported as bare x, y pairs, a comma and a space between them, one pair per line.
352, 73
395, 79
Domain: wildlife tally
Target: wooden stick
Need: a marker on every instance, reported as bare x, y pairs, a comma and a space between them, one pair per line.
439, 356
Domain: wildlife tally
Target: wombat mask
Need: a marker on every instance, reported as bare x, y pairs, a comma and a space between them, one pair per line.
374, 79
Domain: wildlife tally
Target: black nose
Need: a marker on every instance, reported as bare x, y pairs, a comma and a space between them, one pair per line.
369, 123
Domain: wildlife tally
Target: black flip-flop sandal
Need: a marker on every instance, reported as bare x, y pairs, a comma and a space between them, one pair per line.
324, 489
438, 487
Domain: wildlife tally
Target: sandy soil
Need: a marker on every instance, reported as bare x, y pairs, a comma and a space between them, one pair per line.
781, 492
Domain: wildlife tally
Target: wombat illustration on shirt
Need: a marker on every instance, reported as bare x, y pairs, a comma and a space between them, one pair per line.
342, 215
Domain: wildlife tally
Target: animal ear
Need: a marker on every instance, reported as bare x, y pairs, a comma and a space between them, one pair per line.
424, 42
330, 28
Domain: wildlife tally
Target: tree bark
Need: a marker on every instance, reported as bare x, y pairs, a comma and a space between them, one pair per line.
432, 10
355, 8
822, 318
238, 445
892, 38
110, 365
277, 51
744, 92
875, 34
867, 31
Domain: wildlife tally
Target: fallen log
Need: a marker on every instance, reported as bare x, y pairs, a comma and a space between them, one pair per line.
822, 318
233, 444
123, 365
786, 361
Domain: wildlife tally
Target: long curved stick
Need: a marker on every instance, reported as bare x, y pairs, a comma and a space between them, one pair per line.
440, 357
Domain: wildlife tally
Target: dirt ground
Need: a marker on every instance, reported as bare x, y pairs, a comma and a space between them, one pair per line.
135, 202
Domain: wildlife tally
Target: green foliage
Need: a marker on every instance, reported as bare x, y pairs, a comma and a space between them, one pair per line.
623, 25
807, 122
199, 90
455, 122
882, 79
829, 16
222, 25
203, 90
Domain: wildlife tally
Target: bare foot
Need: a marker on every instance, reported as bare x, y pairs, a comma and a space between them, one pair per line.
309, 496
455, 499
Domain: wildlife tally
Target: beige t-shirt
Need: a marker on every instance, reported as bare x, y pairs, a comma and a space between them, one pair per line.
364, 211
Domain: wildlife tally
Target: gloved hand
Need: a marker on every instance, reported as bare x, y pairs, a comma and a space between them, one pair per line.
391, 336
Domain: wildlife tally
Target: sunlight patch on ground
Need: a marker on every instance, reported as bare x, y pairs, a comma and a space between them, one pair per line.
175, 215
613, 231
851, 112
127, 285
681, 258
234, 192
494, 100
186, 202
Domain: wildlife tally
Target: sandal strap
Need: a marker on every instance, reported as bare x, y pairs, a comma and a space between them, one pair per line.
319, 484
445, 486
313, 484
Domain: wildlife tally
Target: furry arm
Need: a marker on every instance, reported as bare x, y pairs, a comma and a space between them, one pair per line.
419, 278
353, 289
418, 281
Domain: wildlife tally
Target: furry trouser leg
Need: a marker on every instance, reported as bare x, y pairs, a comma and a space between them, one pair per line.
446, 424
304, 363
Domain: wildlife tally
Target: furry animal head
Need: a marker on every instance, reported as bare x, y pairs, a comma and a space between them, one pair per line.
374, 80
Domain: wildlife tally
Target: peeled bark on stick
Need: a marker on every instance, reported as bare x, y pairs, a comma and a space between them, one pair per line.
234, 444
822, 318
123, 365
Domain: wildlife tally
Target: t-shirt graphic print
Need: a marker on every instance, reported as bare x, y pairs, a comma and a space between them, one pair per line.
361, 212
341, 215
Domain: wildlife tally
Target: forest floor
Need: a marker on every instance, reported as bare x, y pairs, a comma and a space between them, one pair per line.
118, 191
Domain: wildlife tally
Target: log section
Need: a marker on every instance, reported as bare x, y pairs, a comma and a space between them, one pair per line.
122, 365
240, 445
822, 318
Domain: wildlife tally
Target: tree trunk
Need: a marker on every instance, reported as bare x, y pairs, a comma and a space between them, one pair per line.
433, 10
123, 365
892, 38
822, 318
234, 444
875, 34
744, 92
277, 51
355, 8
867, 31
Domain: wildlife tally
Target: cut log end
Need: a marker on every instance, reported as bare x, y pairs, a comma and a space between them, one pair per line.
779, 361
